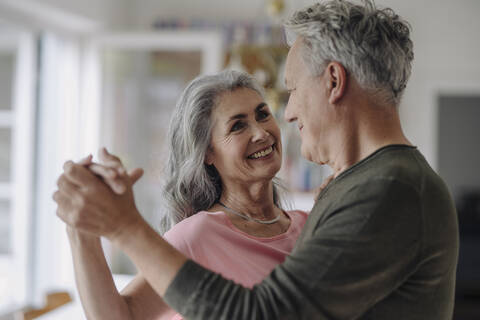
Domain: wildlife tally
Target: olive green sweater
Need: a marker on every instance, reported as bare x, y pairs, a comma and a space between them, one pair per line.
381, 242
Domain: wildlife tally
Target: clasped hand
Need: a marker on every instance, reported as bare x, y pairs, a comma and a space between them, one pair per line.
97, 198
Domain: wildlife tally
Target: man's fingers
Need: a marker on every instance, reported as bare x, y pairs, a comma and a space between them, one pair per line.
57, 196
135, 174
85, 161
111, 177
78, 174
64, 205
103, 171
111, 171
65, 186
119, 185
110, 160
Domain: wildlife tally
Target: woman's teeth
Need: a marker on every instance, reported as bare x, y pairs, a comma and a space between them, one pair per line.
262, 153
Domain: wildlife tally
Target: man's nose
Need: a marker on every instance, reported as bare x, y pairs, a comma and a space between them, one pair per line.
288, 114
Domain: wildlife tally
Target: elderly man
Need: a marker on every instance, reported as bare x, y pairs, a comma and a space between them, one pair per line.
381, 241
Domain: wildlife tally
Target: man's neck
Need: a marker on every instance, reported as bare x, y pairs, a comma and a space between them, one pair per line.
369, 129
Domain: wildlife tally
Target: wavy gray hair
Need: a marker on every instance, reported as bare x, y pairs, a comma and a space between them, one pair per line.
372, 44
191, 185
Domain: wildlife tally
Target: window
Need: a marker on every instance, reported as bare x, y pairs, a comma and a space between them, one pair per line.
16, 149
141, 76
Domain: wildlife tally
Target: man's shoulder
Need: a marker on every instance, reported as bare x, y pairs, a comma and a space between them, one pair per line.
378, 179
396, 178
391, 164
402, 165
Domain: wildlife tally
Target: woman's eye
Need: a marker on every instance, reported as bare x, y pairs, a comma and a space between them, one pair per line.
262, 114
237, 126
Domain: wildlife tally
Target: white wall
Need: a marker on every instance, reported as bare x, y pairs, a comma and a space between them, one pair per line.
446, 37
447, 50
66, 17
111, 13
146, 11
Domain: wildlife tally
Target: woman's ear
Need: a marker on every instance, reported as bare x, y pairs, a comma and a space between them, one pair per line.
209, 156
336, 81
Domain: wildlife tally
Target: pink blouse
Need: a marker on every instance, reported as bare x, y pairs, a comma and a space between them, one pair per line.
210, 239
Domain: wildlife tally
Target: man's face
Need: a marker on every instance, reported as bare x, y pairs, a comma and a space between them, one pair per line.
308, 105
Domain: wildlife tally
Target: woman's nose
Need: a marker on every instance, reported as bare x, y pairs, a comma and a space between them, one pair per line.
259, 133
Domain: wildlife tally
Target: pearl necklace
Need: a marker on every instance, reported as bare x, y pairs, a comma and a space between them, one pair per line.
250, 218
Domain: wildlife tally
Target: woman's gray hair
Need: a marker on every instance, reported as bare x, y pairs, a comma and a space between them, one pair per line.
372, 44
192, 185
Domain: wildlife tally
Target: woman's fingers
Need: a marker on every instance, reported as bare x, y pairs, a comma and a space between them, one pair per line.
113, 161
66, 198
110, 176
62, 202
135, 174
103, 171
90, 199
118, 186
85, 161
78, 174
66, 186
111, 171
110, 160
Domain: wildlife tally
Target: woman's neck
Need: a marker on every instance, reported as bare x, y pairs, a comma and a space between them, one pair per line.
253, 200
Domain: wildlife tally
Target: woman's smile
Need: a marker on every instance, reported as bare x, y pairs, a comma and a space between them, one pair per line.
263, 154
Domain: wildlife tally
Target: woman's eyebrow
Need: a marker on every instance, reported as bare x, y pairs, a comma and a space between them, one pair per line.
237, 116
243, 115
260, 106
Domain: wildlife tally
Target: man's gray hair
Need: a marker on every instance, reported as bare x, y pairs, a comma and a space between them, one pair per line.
372, 44
192, 185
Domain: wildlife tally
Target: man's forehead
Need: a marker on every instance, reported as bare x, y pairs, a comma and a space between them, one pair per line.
288, 66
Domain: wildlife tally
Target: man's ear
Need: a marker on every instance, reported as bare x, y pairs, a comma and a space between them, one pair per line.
336, 77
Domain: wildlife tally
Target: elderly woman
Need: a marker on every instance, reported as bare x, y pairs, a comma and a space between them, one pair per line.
225, 150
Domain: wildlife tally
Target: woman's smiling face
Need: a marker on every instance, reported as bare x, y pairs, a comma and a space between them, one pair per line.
246, 143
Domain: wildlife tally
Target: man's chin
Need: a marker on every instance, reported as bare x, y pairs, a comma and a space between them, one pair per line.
306, 154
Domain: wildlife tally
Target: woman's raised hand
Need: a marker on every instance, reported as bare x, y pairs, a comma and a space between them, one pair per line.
113, 173
98, 197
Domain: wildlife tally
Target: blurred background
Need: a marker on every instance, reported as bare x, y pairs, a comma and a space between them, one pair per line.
77, 75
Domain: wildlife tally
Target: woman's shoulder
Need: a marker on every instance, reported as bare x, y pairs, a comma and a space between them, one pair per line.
298, 219
188, 228
191, 233
300, 214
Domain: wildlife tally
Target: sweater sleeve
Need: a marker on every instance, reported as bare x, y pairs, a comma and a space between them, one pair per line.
361, 250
